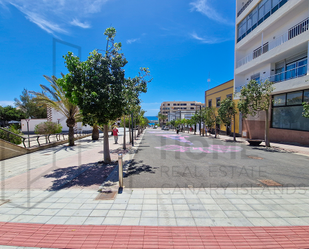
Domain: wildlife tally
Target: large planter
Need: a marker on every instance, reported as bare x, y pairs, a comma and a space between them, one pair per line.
254, 142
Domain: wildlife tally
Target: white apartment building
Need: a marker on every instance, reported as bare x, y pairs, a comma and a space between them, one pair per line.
179, 109
272, 40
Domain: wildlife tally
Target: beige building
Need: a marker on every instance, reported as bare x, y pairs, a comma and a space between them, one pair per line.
179, 109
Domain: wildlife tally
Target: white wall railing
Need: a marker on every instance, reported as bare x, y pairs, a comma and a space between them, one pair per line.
282, 76
279, 40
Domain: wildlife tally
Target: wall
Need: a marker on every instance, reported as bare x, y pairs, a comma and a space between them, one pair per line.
222, 91
289, 136
32, 123
8, 150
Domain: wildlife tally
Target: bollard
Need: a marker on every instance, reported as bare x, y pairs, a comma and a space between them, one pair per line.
120, 170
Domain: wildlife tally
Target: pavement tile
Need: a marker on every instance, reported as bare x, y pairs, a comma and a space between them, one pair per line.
94, 221
185, 222
148, 221
112, 221
76, 220
130, 221
149, 207
115, 213
132, 214
167, 221
98, 213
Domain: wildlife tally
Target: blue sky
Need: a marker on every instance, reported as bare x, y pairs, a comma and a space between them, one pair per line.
182, 42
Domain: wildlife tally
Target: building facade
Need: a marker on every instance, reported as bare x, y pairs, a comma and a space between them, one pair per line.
272, 44
215, 95
179, 109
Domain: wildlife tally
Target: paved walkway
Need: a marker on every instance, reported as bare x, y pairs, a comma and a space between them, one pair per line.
77, 217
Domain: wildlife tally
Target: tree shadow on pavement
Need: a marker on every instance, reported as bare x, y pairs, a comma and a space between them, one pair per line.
272, 149
82, 176
136, 168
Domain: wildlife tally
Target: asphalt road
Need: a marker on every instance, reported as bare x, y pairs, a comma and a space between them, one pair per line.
167, 160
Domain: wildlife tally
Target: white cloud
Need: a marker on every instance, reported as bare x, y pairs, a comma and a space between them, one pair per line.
58, 15
203, 7
208, 40
6, 102
133, 40
77, 23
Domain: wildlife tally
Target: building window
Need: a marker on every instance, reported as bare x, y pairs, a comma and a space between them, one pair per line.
192, 104
287, 111
256, 77
229, 96
258, 15
218, 102
209, 103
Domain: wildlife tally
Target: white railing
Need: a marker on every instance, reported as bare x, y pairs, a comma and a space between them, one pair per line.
283, 76
289, 74
279, 40
245, 60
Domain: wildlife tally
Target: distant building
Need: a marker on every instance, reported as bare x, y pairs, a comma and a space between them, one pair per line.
213, 97
272, 44
179, 109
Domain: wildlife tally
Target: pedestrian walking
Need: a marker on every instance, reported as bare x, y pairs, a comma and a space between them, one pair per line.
115, 134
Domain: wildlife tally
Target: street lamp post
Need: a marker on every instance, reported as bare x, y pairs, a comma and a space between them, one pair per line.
27, 120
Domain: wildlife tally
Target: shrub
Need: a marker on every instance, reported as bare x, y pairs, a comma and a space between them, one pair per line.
11, 138
47, 128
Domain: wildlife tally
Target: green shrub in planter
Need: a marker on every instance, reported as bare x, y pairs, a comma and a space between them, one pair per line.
47, 128
13, 139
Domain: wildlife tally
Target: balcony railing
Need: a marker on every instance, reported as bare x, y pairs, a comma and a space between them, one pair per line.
289, 74
286, 36
244, 7
283, 76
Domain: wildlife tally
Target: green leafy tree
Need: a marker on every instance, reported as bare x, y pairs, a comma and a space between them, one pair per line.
11, 137
211, 118
173, 123
97, 85
9, 113
48, 128
133, 88
57, 100
226, 112
28, 104
195, 120
255, 97
161, 118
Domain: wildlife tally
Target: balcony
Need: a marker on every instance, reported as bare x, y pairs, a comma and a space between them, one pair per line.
281, 39
244, 7
283, 76
289, 74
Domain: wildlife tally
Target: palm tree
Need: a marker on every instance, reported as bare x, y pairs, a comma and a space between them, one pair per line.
59, 102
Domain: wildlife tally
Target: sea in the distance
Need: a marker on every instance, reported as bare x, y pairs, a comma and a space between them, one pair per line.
150, 118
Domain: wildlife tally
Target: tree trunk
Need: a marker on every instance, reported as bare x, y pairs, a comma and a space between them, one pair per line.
215, 130
71, 123
124, 133
135, 129
107, 158
234, 135
130, 133
95, 132
267, 143
71, 136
